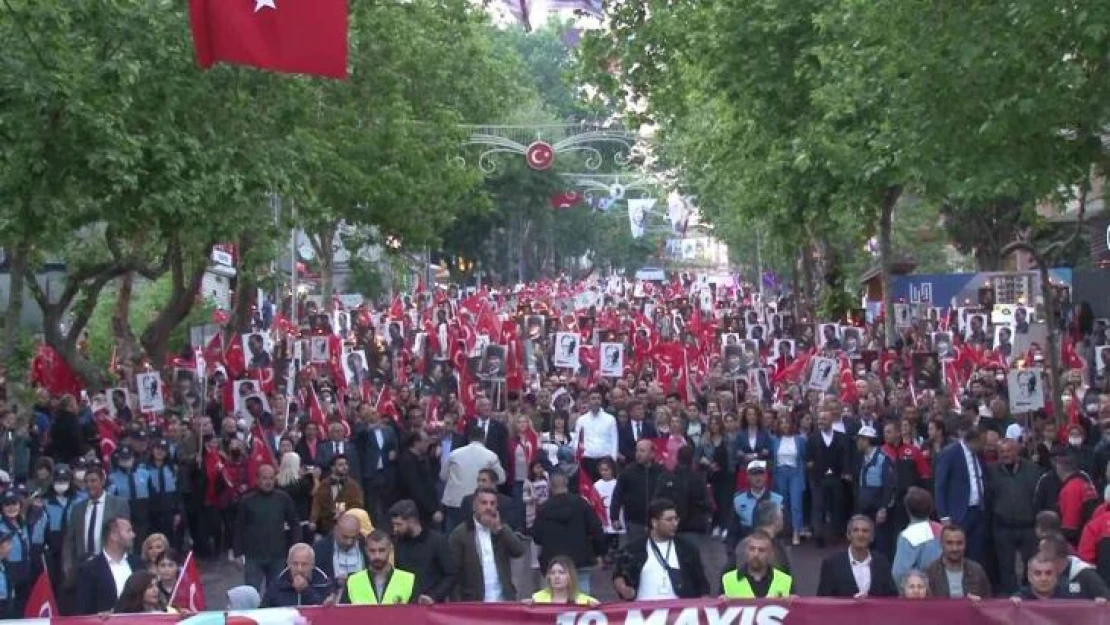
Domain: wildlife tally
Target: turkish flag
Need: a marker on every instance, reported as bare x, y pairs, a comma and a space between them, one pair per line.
41, 602
293, 36
188, 593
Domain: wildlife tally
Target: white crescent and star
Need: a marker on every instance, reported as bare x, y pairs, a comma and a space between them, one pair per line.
264, 4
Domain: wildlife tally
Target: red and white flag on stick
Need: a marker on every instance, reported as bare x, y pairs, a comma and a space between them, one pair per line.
188, 593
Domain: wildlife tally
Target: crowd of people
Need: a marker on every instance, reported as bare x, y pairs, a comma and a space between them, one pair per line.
467, 444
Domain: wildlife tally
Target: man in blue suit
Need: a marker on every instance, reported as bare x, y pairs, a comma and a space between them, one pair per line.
961, 490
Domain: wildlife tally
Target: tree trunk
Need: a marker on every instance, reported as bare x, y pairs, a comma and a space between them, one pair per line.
121, 322
886, 219
17, 267
246, 286
323, 245
186, 288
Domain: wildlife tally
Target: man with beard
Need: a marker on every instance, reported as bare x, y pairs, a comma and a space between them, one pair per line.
381, 583
423, 552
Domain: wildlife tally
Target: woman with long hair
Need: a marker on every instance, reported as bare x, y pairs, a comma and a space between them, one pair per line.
561, 585
753, 442
524, 448
788, 448
712, 458
299, 484
140, 594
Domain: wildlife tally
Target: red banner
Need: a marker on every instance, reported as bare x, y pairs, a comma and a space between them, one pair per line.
692, 612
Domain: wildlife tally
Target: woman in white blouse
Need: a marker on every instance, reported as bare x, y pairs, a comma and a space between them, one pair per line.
787, 451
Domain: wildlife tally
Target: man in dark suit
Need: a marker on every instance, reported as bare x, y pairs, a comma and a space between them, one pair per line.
376, 443
637, 428
857, 572
961, 487
337, 445
104, 575
86, 522
828, 458
497, 435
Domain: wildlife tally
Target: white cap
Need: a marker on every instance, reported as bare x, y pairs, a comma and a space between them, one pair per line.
757, 466
868, 432
1014, 431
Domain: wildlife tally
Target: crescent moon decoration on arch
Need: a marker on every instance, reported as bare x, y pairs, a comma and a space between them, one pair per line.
540, 156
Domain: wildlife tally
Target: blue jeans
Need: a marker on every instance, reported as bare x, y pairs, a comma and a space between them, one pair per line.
516, 510
790, 482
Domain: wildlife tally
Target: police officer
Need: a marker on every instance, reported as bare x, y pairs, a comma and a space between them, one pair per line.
876, 488
165, 498
132, 483
745, 501
381, 583
7, 595
20, 567
756, 578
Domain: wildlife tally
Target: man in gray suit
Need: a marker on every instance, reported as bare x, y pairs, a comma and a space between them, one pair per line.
87, 519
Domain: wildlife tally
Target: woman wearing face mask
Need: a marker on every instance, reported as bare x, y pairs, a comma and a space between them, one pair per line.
1077, 446
60, 497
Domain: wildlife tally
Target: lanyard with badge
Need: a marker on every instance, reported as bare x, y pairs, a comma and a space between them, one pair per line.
672, 574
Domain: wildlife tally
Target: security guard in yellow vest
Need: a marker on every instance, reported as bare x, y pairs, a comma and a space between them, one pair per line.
756, 579
381, 583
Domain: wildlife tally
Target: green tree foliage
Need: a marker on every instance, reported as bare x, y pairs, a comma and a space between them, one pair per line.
380, 151
120, 157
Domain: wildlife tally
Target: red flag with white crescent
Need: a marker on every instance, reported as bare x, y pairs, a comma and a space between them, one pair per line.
188, 593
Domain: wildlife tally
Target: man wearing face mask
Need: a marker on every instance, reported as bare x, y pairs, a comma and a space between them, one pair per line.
132, 483
336, 496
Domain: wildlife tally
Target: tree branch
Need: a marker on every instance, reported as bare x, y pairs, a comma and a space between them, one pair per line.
27, 35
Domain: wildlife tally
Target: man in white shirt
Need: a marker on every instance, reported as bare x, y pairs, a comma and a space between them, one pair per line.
597, 434
459, 472
649, 568
101, 578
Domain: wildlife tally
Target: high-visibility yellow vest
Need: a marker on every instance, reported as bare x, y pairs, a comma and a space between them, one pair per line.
544, 596
398, 589
736, 587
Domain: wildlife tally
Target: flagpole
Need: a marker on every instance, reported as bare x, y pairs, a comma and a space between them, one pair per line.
293, 265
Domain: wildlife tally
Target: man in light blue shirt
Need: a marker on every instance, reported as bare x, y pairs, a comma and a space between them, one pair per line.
918, 545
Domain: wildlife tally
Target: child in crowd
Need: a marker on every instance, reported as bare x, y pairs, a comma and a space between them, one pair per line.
604, 487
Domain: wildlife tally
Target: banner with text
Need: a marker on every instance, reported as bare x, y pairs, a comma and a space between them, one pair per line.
691, 612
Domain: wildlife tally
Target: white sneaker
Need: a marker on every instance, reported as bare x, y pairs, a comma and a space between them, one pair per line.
724, 534
716, 532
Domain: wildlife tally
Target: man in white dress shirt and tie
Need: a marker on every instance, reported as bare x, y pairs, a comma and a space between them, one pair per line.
596, 433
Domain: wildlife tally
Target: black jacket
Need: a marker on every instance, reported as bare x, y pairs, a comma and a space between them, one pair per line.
1011, 492
261, 524
691, 499
416, 480
636, 486
280, 592
67, 440
836, 457
837, 580
567, 526
631, 560
427, 557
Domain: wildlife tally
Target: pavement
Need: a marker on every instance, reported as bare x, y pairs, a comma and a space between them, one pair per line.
220, 575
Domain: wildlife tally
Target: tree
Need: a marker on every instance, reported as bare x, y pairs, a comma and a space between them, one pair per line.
380, 152
122, 158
